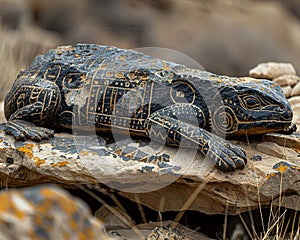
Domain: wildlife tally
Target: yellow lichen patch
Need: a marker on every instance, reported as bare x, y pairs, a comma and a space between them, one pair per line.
48, 193
54, 197
82, 236
8, 206
27, 149
271, 175
5, 203
84, 153
60, 164
90, 233
68, 206
73, 225
1, 140
38, 161
66, 235
282, 168
38, 220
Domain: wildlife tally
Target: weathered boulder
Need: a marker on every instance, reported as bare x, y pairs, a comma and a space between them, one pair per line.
46, 212
271, 70
157, 231
179, 180
287, 90
296, 90
287, 80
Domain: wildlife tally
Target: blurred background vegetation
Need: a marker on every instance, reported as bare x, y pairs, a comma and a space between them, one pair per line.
224, 36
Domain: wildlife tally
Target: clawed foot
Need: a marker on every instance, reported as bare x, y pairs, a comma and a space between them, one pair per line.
22, 130
227, 156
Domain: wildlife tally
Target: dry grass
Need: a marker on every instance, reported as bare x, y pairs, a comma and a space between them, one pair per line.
10, 64
17, 49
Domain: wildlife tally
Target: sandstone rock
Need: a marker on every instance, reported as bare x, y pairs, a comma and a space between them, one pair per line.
272, 70
275, 150
45, 212
180, 180
295, 103
166, 232
289, 141
287, 91
287, 80
296, 90
158, 230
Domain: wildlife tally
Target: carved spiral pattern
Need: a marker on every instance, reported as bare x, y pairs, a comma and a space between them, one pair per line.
224, 120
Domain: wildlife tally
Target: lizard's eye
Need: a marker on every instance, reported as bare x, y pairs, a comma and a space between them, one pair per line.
251, 102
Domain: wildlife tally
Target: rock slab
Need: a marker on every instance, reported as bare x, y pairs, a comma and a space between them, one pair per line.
183, 181
271, 70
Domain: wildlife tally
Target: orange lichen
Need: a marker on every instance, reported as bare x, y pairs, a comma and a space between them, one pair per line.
73, 225
60, 164
82, 236
271, 175
27, 149
68, 206
8, 205
282, 168
38, 161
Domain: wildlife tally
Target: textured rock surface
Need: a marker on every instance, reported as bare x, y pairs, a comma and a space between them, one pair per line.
45, 212
272, 70
177, 184
287, 90
296, 90
157, 231
287, 80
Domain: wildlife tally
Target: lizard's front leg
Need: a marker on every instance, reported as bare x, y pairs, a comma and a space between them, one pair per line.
31, 111
226, 156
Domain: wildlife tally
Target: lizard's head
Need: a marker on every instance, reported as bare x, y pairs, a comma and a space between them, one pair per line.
252, 106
